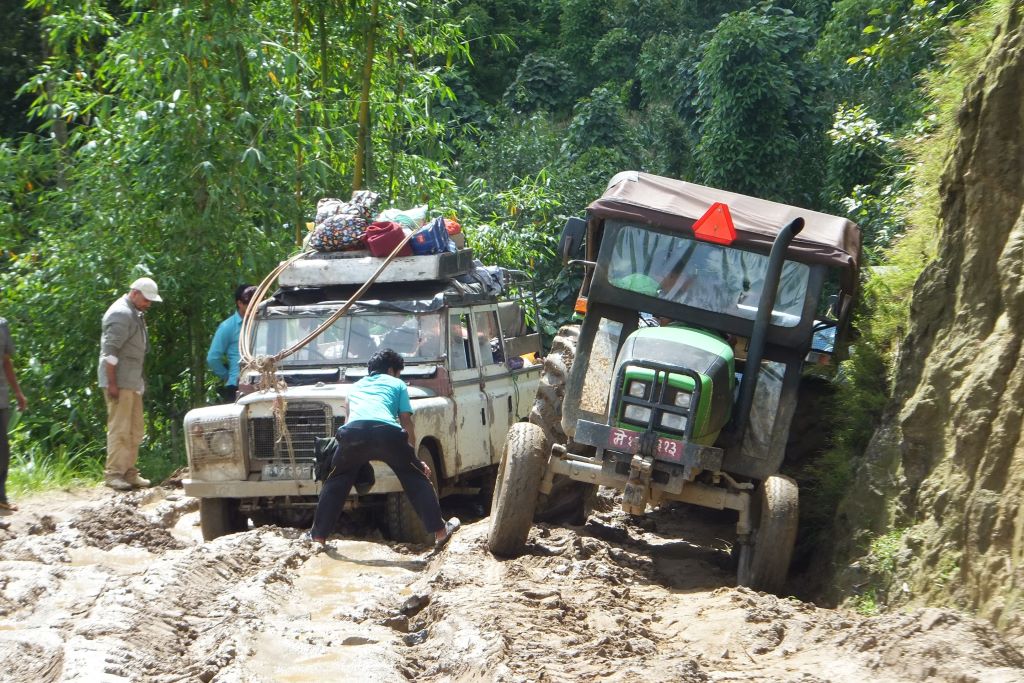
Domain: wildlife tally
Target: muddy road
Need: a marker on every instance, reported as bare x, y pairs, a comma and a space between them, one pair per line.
98, 586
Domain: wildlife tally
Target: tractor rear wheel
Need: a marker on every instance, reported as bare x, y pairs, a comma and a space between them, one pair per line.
764, 563
516, 489
569, 500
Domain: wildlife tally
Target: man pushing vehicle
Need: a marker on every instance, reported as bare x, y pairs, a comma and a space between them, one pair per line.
380, 427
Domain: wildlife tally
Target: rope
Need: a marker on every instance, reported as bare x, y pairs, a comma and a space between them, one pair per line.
266, 365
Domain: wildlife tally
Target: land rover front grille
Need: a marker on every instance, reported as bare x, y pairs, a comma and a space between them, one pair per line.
305, 420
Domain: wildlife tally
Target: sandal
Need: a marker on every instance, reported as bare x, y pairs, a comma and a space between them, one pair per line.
4, 505
450, 527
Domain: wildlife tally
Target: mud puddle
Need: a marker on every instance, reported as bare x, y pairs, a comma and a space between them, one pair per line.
97, 586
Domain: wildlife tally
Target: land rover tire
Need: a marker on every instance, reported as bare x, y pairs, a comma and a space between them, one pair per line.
569, 500
220, 517
517, 489
764, 563
404, 525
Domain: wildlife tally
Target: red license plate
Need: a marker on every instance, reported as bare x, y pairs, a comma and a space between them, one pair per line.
624, 440
628, 441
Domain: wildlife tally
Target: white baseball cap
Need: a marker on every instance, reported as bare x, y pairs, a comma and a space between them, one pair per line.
148, 288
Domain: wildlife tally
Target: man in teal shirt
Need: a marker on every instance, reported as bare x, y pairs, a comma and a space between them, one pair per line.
379, 427
223, 356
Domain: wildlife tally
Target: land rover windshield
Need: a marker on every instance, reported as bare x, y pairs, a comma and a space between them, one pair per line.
351, 340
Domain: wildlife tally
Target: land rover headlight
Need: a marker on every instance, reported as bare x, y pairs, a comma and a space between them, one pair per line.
637, 389
639, 415
222, 443
213, 438
673, 422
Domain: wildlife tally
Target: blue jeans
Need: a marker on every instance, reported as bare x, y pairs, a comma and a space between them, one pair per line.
359, 443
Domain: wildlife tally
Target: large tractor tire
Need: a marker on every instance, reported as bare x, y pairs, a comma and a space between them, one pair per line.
764, 563
517, 489
403, 523
220, 517
569, 500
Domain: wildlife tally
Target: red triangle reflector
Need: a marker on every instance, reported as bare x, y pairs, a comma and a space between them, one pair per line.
715, 225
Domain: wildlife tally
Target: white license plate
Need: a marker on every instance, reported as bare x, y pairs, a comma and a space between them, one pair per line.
277, 472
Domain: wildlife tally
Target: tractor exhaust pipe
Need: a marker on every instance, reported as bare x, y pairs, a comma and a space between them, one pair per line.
755, 352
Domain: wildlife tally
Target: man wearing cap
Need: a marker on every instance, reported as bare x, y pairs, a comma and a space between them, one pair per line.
123, 348
223, 356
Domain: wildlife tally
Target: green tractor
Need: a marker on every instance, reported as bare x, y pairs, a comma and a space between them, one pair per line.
702, 310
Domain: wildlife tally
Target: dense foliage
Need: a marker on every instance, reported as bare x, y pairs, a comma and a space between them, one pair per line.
190, 140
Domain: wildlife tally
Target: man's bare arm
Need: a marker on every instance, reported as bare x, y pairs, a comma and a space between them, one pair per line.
12, 381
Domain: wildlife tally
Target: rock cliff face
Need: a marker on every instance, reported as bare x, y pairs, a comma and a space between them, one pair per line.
947, 464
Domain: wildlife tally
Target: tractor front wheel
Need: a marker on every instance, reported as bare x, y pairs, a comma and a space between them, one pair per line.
517, 488
764, 563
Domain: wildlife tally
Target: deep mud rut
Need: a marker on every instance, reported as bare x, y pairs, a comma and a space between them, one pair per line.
98, 586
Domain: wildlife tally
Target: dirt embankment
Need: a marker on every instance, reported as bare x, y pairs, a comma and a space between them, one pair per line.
97, 586
945, 470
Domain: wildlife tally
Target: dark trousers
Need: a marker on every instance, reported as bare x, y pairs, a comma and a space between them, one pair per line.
227, 393
359, 443
5, 453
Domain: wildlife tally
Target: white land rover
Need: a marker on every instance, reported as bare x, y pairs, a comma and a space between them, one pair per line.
464, 338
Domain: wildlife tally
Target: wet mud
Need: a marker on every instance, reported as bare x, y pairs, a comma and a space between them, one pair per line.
103, 586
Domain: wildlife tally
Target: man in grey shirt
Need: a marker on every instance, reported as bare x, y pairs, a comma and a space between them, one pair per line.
123, 348
8, 382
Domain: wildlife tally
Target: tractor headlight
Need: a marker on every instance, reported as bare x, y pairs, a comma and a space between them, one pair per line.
637, 389
214, 438
682, 399
673, 422
640, 415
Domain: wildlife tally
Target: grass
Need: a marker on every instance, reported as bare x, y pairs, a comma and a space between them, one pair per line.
35, 468
880, 566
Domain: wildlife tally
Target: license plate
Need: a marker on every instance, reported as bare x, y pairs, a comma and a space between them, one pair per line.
276, 472
628, 441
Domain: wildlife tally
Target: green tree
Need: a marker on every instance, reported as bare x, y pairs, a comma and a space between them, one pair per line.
189, 129
761, 124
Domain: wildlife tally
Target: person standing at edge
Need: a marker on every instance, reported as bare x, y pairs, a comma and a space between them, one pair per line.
123, 348
7, 379
379, 427
223, 356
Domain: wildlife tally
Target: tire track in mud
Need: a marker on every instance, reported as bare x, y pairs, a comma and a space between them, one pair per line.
111, 592
155, 618
578, 608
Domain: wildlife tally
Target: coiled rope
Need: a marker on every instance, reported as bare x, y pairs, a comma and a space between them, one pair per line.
266, 365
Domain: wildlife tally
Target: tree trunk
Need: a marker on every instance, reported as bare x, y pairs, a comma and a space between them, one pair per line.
363, 133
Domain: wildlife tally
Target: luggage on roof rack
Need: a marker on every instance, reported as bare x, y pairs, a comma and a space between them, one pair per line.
355, 267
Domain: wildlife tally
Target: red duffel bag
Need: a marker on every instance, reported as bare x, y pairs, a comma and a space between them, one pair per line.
383, 236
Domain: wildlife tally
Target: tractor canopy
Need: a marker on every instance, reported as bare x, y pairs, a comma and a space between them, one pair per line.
675, 205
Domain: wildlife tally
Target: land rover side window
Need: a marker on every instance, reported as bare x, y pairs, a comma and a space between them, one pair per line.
460, 356
703, 275
488, 338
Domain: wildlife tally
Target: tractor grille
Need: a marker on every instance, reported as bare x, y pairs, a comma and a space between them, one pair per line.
306, 421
